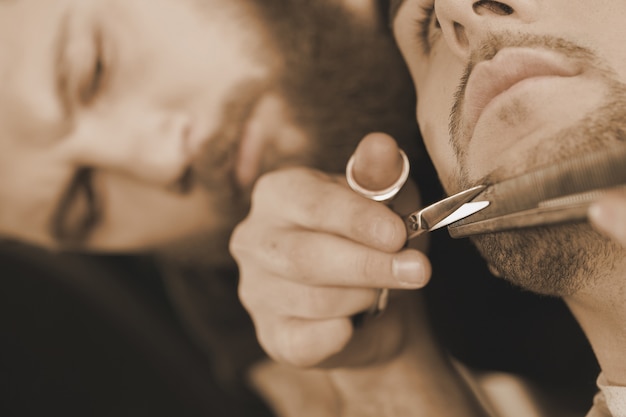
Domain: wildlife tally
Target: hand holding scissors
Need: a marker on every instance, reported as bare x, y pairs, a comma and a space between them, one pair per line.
312, 254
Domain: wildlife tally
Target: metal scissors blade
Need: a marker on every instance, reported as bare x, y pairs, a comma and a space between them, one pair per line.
571, 208
555, 193
444, 212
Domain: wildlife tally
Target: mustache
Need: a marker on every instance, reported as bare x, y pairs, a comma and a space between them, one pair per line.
489, 48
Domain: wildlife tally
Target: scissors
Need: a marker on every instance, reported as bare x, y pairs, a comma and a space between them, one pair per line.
430, 218
427, 219
557, 193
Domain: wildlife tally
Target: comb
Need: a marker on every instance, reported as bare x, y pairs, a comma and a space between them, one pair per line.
554, 194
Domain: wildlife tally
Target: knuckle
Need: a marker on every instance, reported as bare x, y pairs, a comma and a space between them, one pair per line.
384, 229
371, 223
276, 253
292, 257
371, 268
313, 302
278, 182
265, 184
260, 248
266, 343
239, 240
315, 305
315, 342
246, 293
299, 351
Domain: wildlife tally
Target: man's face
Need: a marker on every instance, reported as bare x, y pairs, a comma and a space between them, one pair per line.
504, 87
104, 106
139, 124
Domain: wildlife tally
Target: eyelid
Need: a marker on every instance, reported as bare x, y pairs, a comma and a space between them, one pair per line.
424, 25
94, 77
81, 55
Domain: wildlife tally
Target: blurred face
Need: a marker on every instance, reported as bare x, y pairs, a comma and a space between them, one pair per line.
507, 86
107, 106
143, 124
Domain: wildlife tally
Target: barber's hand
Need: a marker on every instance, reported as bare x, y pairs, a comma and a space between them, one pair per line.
608, 215
311, 255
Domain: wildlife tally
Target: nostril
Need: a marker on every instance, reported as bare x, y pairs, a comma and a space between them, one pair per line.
184, 183
459, 32
496, 7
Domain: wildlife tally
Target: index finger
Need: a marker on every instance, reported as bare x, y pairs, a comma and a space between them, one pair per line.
321, 202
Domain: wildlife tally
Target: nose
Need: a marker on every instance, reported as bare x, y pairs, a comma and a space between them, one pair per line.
149, 146
465, 23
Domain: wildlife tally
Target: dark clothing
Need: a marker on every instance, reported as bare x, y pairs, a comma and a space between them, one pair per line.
488, 324
110, 336
96, 336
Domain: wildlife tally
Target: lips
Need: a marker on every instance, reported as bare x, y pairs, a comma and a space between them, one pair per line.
510, 66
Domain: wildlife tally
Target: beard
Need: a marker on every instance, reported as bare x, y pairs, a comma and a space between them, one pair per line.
340, 78
343, 77
562, 259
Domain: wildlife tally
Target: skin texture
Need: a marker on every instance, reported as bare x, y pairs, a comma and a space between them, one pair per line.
521, 129
571, 101
157, 117
163, 143
279, 258
135, 112
307, 269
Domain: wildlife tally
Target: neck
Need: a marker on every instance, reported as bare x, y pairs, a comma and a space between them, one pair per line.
601, 312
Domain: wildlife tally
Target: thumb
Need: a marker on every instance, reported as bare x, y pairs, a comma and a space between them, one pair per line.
609, 216
377, 162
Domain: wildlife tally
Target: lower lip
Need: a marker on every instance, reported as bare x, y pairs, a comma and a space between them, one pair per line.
540, 90
517, 88
547, 106
529, 65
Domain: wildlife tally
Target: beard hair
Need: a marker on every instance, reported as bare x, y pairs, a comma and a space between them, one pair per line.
564, 259
558, 260
341, 79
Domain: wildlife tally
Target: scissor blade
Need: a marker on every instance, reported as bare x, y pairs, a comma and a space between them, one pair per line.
423, 220
462, 212
531, 190
571, 208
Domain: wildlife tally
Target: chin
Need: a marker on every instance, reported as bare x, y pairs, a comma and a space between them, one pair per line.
557, 261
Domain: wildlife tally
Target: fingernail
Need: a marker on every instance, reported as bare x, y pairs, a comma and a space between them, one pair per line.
608, 217
603, 215
408, 269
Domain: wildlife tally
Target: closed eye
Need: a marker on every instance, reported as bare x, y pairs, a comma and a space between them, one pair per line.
95, 76
428, 27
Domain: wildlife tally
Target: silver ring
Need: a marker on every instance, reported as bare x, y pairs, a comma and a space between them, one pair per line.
382, 299
382, 295
385, 194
